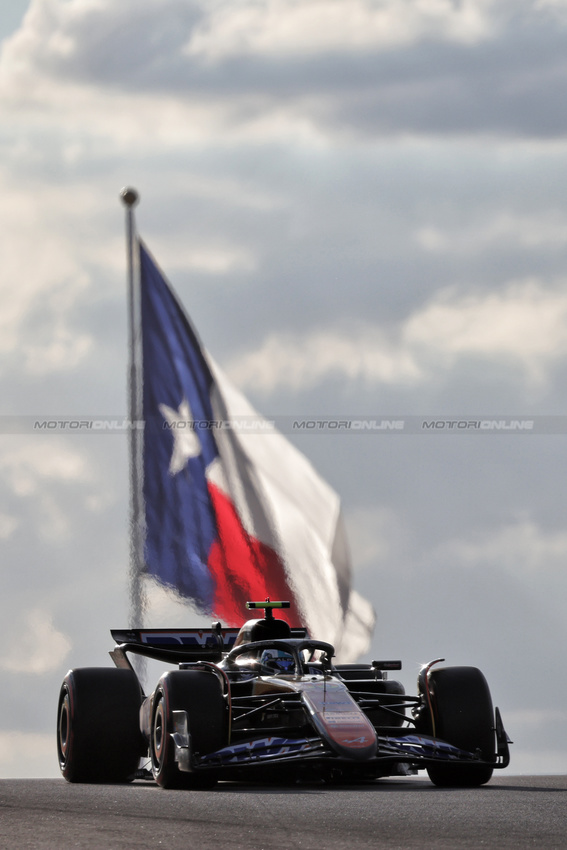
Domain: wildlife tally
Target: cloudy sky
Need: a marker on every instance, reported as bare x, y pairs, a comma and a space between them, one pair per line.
362, 205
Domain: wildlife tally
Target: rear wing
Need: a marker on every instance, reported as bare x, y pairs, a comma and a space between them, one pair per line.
175, 646
179, 638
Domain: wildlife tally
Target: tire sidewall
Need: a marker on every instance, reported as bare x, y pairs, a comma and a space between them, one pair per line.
463, 716
199, 694
164, 769
98, 731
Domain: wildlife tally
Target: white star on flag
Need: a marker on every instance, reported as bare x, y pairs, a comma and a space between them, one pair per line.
185, 441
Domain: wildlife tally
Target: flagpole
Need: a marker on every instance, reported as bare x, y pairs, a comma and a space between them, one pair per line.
130, 198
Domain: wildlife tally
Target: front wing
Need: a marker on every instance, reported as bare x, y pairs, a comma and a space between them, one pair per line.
411, 750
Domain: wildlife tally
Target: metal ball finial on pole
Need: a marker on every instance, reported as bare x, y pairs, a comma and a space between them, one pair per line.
129, 197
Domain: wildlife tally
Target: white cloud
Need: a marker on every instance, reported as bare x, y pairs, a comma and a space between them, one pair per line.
522, 548
33, 468
292, 27
28, 463
165, 73
84, 58
57, 35
41, 276
36, 647
522, 326
215, 260
297, 362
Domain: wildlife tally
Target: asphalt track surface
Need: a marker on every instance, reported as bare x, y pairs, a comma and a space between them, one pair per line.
518, 812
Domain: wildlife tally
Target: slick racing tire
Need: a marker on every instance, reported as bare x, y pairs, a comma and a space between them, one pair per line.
199, 694
98, 731
464, 717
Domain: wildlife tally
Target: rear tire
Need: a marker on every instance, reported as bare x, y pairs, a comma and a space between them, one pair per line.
464, 717
199, 694
98, 731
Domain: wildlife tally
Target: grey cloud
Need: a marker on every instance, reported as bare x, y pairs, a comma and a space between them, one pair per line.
112, 44
508, 83
508, 88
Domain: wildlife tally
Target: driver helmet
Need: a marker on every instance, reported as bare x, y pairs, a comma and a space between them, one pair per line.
278, 660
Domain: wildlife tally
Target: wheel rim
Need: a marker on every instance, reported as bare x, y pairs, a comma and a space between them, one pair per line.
158, 736
64, 729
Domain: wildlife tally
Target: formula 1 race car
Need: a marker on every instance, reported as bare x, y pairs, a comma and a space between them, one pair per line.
267, 700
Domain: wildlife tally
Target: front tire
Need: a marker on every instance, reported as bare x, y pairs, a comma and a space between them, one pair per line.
98, 732
199, 694
464, 717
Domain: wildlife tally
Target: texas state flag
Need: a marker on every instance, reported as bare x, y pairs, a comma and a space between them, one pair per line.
233, 512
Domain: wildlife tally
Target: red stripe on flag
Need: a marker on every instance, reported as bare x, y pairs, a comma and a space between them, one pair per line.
243, 568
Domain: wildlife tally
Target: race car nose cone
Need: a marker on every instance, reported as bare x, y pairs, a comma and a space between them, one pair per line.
339, 721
